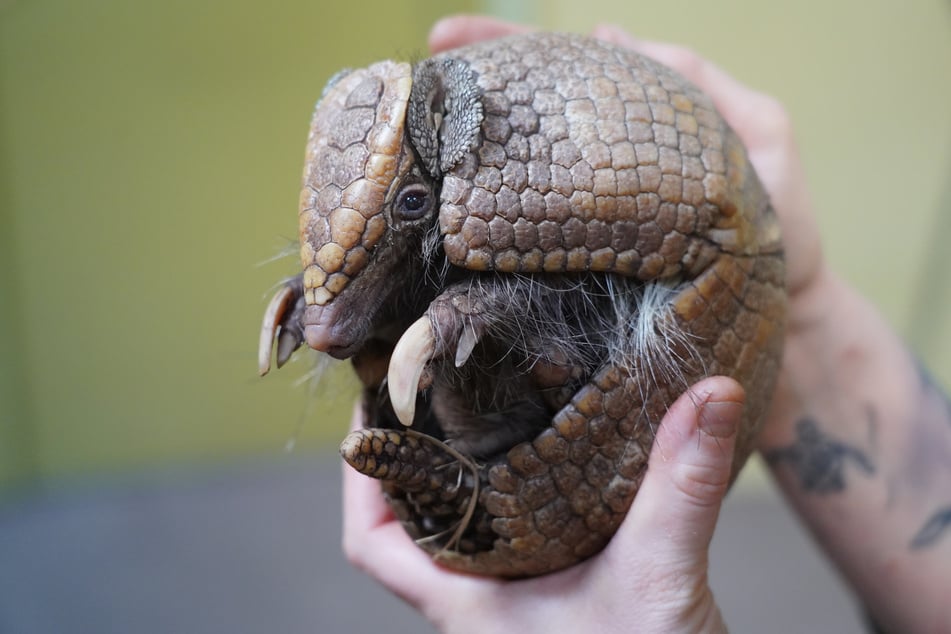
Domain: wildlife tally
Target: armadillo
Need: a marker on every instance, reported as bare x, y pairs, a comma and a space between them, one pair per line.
529, 247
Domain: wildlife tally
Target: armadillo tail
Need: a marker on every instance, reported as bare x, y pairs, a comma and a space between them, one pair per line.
437, 480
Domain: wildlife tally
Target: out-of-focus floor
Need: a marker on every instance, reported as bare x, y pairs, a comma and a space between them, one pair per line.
257, 549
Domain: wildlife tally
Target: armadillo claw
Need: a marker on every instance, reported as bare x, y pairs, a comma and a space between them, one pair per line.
412, 353
287, 342
278, 317
419, 345
467, 343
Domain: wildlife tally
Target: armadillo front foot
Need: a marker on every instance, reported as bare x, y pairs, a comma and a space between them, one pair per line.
282, 319
445, 331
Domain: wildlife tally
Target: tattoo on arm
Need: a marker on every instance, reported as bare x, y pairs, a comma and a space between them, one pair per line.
939, 524
929, 385
819, 460
933, 529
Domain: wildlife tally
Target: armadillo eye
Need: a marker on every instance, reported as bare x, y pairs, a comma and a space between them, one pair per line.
414, 202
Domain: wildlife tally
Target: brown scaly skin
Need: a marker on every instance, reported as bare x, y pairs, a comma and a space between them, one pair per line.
572, 162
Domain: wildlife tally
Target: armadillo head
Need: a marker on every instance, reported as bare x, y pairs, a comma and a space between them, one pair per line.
375, 155
354, 154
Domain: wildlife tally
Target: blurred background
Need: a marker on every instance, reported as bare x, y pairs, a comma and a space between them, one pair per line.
150, 157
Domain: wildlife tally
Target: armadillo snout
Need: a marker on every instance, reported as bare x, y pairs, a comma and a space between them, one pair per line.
324, 332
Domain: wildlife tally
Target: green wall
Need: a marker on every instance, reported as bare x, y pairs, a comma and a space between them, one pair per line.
149, 162
151, 156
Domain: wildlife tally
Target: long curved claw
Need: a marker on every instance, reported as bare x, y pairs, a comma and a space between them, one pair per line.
274, 316
288, 341
467, 343
412, 352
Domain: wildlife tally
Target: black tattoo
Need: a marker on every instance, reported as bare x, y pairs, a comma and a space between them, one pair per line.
929, 385
939, 524
818, 459
936, 525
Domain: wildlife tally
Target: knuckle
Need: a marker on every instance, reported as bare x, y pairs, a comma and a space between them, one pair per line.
682, 59
688, 62
772, 108
773, 119
702, 486
353, 551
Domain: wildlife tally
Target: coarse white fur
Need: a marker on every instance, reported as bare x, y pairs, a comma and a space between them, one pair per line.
585, 322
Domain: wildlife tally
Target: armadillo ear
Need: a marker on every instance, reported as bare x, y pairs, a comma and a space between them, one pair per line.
444, 113
334, 80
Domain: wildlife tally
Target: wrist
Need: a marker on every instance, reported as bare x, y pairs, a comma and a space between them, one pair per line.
814, 308
853, 439
837, 353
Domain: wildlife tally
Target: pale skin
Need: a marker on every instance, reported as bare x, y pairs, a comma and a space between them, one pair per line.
859, 439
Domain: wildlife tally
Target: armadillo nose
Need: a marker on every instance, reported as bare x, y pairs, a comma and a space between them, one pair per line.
323, 332
318, 337
321, 337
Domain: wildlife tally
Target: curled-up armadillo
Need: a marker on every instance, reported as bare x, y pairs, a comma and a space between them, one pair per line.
529, 248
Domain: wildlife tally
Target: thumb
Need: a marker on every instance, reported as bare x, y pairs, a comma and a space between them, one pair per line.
688, 474
459, 30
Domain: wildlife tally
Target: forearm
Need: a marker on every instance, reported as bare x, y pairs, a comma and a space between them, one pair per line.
860, 442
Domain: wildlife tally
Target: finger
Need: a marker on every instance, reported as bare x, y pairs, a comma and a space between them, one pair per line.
703, 73
675, 511
757, 116
615, 35
731, 97
384, 550
765, 128
363, 505
459, 30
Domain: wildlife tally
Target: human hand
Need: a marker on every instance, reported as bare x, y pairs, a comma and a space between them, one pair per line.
652, 576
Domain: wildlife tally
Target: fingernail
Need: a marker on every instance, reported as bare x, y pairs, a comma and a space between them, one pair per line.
720, 418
